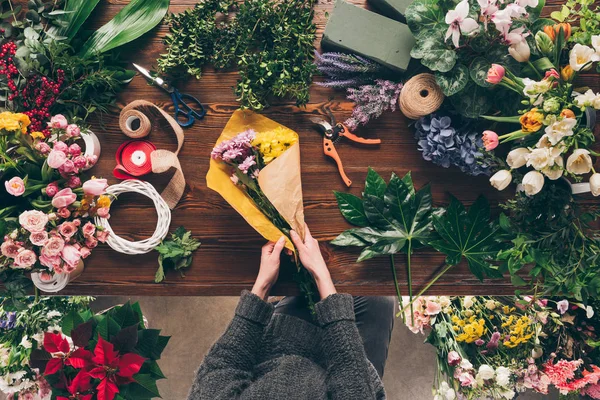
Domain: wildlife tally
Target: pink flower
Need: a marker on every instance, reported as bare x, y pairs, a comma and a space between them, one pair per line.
51, 189
490, 140
495, 74
466, 379
247, 164
74, 150
88, 229
592, 391
25, 259
454, 358
562, 306
103, 212
67, 229
51, 262
56, 159
74, 181
92, 159
70, 255
80, 162
53, 246
67, 167
33, 220
42, 147
95, 187
9, 249
58, 122
38, 238
85, 252
63, 212
432, 308
73, 130
554, 75
15, 186
91, 242
102, 236
64, 198
60, 146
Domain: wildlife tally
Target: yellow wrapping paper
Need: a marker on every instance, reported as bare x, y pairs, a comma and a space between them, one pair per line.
280, 181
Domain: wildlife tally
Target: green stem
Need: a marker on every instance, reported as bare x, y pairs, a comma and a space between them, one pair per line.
393, 265
37, 294
427, 287
534, 69
410, 296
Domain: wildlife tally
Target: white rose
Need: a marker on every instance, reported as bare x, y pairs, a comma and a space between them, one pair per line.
503, 376
537, 353
533, 182
540, 159
501, 179
582, 57
485, 372
517, 157
595, 184
560, 129
25, 342
468, 301
579, 162
556, 171
450, 394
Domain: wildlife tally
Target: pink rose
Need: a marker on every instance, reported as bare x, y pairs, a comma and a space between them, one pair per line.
88, 229
42, 147
56, 159
85, 252
58, 122
80, 161
74, 181
52, 189
58, 269
67, 167
103, 212
51, 262
490, 140
92, 159
71, 256
60, 146
73, 130
33, 220
9, 249
454, 358
38, 238
91, 242
53, 246
95, 187
433, 308
102, 236
25, 259
67, 229
77, 222
495, 74
15, 186
64, 198
63, 213
74, 150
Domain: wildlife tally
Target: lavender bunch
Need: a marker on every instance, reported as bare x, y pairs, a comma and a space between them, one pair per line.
347, 70
372, 100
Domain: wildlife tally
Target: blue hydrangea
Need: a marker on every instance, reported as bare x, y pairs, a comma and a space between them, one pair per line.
446, 145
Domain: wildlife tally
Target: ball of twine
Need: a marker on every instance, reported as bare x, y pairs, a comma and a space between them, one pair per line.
420, 96
162, 225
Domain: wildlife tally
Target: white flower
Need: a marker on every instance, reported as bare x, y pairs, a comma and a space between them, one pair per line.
465, 364
587, 99
508, 394
537, 353
503, 376
487, 7
596, 43
490, 305
54, 329
560, 129
589, 312
39, 338
502, 20
516, 36
520, 51
582, 57
556, 171
540, 158
535, 90
579, 162
527, 3
501, 179
25, 342
459, 22
446, 392
53, 314
562, 306
595, 184
533, 182
444, 301
517, 157
486, 372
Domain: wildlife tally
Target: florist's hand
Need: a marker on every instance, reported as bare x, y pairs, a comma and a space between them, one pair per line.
269, 268
312, 259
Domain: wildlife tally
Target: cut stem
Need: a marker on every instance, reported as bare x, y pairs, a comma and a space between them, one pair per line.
393, 266
410, 296
434, 280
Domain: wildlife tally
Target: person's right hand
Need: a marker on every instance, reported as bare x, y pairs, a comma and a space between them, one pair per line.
312, 259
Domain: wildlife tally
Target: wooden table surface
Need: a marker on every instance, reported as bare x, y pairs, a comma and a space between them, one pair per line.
228, 259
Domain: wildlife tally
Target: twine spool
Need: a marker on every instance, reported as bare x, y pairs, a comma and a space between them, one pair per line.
162, 225
420, 96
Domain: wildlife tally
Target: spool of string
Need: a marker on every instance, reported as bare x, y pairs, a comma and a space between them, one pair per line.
420, 96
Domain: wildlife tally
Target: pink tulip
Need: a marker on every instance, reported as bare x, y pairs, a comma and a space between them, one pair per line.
80, 161
15, 186
490, 140
495, 74
64, 198
95, 187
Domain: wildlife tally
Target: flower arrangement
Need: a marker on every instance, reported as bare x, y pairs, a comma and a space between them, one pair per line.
496, 347
47, 205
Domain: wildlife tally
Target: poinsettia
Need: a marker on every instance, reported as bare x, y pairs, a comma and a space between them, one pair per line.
113, 369
78, 388
63, 354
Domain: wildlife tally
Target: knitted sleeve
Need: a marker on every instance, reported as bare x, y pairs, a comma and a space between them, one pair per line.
348, 369
227, 368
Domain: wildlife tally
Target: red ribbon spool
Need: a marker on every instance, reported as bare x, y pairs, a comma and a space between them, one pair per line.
134, 159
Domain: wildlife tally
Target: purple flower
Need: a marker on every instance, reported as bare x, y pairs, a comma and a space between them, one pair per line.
247, 164
236, 149
9, 321
371, 101
493, 343
343, 70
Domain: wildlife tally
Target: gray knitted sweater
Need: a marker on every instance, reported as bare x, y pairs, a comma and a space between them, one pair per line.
270, 357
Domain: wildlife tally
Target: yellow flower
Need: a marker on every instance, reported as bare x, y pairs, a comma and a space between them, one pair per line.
519, 330
103, 201
566, 73
531, 121
37, 135
472, 331
11, 122
274, 143
84, 205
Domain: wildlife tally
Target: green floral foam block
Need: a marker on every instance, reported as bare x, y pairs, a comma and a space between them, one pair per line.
394, 9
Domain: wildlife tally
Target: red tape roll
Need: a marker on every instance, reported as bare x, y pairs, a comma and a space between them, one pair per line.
134, 159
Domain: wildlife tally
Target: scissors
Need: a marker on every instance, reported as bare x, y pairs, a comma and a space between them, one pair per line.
185, 115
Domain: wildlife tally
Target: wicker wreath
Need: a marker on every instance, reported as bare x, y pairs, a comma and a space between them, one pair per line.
162, 226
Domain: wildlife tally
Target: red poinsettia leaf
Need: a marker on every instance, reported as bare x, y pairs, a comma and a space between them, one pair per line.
62, 398
97, 373
104, 353
130, 364
81, 383
82, 334
80, 358
55, 343
107, 390
123, 380
54, 365
86, 397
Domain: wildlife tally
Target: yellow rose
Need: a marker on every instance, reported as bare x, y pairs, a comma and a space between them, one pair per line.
531, 121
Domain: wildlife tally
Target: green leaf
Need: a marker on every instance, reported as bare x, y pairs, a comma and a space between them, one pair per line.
425, 16
135, 19
352, 208
561, 15
76, 13
70, 321
478, 71
125, 315
374, 185
453, 81
377, 213
351, 237
468, 234
472, 102
144, 387
107, 327
439, 58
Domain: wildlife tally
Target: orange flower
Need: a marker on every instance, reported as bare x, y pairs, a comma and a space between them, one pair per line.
566, 73
553, 30
531, 121
566, 113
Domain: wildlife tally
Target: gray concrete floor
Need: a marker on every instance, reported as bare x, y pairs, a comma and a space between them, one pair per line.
194, 323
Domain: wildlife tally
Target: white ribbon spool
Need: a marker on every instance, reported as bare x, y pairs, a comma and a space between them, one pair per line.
56, 283
162, 226
92, 145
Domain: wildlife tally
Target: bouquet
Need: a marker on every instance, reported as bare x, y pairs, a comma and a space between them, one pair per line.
21, 340
556, 129
255, 166
106, 356
496, 347
46, 218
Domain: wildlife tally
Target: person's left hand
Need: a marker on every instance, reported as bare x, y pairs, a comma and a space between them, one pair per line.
269, 268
